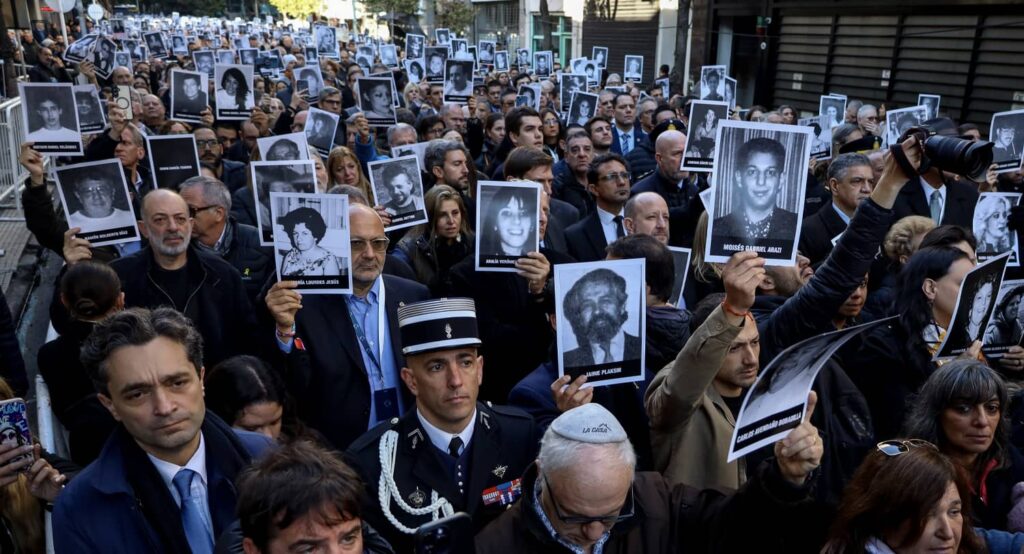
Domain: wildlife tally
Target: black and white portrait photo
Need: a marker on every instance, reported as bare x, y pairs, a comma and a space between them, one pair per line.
730, 92
103, 57
188, 95
1007, 134
435, 57
414, 70
364, 57
501, 60
1006, 326
277, 148
523, 58
311, 241
485, 52
700, 144
712, 83
414, 45
583, 107
320, 129
831, 112
388, 55
179, 46
601, 320
507, 223
156, 44
899, 121
821, 142
760, 178
95, 199
663, 84
634, 68
777, 402
681, 264
172, 159
460, 49
376, 100
50, 117
92, 118
990, 230
136, 49
226, 57
233, 90
397, 186
542, 63
930, 101
268, 177
81, 49
600, 56
326, 41
569, 84
458, 81
311, 76
529, 95
248, 56
974, 306
122, 58
204, 61
311, 54
442, 36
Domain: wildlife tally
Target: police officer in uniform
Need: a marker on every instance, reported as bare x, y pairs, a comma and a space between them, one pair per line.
452, 453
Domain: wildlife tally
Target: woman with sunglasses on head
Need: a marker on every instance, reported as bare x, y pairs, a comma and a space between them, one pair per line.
961, 409
906, 497
894, 359
551, 128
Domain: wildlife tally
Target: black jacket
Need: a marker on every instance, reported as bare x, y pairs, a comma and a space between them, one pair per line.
12, 365
567, 188
255, 263
40, 73
817, 233
233, 174
959, 207
684, 206
513, 324
72, 394
586, 239
217, 303
328, 378
668, 328
504, 443
641, 160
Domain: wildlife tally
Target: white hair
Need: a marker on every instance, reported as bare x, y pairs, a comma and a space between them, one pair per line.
558, 452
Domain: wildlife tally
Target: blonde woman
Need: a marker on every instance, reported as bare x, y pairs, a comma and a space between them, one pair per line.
432, 248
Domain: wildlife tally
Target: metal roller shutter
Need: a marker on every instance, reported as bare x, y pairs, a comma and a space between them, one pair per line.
633, 31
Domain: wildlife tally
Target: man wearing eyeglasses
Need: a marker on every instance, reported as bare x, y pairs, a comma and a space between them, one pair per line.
584, 495
343, 352
608, 182
211, 153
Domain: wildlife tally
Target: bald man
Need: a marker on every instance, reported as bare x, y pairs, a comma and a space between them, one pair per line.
344, 384
121, 76
673, 185
169, 271
647, 214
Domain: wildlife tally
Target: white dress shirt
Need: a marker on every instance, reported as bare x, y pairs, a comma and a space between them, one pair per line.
611, 229
617, 348
441, 439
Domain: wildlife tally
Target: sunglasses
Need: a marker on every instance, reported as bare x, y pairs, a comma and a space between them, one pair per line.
893, 448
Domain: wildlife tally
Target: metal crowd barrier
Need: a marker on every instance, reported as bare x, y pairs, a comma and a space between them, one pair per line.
51, 434
12, 175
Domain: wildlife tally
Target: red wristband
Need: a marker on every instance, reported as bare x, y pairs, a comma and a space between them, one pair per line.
730, 311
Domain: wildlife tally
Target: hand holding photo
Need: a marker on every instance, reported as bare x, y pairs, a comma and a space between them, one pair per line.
375, 100
233, 91
397, 186
188, 95
50, 118
507, 223
94, 196
311, 241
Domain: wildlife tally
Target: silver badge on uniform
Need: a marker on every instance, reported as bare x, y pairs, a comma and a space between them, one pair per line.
417, 498
499, 471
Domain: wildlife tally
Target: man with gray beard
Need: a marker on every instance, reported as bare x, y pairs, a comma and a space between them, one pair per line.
201, 285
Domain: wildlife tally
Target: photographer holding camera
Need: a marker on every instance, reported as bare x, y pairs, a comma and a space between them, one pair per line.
939, 192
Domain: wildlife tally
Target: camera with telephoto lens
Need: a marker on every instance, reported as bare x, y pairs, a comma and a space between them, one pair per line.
950, 153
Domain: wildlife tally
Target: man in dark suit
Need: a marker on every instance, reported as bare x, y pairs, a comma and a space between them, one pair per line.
936, 194
757, 180
608, 182
599, 332
164, 482
451, 453
850, 180
626, 135
342, 353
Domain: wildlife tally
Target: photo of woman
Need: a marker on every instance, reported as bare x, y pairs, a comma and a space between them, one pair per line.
375, 100
508, 230
990, 215
306, 228
234, 95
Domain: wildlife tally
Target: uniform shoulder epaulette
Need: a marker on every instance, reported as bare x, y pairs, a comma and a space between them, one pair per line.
371, 437
508, 411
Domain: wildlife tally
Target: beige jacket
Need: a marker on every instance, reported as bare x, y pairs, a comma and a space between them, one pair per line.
691, 427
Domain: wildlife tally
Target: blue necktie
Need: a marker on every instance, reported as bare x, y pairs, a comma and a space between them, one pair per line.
198, 534
626, 145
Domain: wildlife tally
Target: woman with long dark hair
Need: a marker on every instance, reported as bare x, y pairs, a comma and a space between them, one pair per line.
895, 359
961, 409
906, 497
551, 128
431, 249
247, 394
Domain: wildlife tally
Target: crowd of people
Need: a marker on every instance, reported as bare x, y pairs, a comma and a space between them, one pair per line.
210, 407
